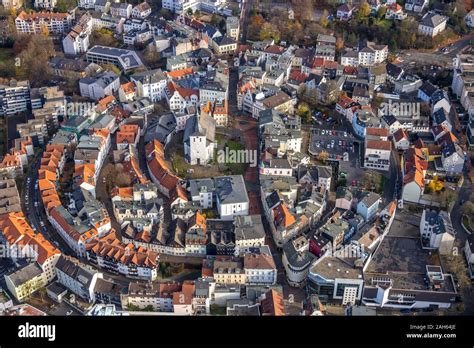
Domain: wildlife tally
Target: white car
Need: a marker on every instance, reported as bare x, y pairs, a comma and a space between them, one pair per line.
36, 204
42, 223
69, 312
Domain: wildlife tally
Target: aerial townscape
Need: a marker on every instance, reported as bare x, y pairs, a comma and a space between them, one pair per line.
236, 157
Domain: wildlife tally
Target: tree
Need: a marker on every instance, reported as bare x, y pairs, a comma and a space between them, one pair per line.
372, 181
151, 55
214, 20
435, 185
33, 60
112, 68
339, 43
189, 11
381, 12
323, 156
456, 265
304, 112
104, 37
324, 19
268, 31
123, 180
364, 11
65, 5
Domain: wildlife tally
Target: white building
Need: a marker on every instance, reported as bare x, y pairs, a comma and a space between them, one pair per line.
76, 278
249, 232
260, 269
202, 191
14, 97
180, 6
334, 278
123, 10
199, 139
437, 231
43, 22
180, 98
232, 25
231, 195
212, 91
369, 206
150, 84
432, 24
45, 4
142, 10
276, 167
377, 154
416, 5
158, 296
77, 41
99, 86
372, 54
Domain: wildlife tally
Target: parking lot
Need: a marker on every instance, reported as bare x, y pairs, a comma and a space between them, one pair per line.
337, 143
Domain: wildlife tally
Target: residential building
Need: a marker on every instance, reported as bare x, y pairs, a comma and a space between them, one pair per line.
233, 27
372, 54
78, 279
416, 5
99, 86
141, 10
25, 281
432, 24
260, 269
45, 4
377, 151
150, 84
249, 232
437, 231
77, 40
43, 22
14, 97
158, 296
123, 10
369, 206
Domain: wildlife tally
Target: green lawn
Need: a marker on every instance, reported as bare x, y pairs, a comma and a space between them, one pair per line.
235, 168
179, 165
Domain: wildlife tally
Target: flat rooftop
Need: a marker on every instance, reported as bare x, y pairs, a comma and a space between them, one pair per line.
401, 257
335, 268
